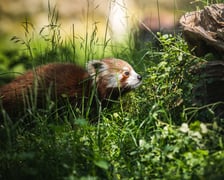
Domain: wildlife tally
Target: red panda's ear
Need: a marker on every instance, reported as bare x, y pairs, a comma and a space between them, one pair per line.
95, 66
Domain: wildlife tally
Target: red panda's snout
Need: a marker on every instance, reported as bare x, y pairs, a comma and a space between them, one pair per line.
130, 79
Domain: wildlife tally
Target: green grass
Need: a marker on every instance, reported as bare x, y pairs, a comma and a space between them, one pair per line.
155, 132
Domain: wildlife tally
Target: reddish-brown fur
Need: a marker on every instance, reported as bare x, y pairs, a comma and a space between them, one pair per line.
54, 80
59, 82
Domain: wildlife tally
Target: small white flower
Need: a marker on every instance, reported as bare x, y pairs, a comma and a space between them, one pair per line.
142, 142
203, 127
197, 135
116, 115
184, 128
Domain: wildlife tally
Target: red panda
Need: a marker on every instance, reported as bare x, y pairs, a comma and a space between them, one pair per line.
102, 81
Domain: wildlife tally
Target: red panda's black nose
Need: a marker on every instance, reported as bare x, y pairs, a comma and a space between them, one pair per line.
139, 77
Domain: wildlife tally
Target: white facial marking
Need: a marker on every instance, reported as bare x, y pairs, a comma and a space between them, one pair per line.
114, 80
133, 81
125, 69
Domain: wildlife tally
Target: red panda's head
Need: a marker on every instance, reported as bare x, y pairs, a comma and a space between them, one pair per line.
114, 73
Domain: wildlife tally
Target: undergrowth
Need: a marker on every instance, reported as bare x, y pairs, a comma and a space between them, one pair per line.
156, 132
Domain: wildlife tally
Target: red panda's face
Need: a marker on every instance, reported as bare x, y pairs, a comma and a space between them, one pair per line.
129, 79
114, 73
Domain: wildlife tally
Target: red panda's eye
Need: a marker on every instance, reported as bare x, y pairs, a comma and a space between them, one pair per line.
126, 73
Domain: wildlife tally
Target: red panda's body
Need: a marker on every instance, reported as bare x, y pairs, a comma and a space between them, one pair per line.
102, 80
